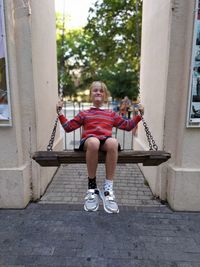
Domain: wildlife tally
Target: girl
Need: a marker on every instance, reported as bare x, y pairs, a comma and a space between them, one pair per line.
97, 123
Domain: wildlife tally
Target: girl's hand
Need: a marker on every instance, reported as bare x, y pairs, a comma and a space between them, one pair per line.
141, 109
59, 107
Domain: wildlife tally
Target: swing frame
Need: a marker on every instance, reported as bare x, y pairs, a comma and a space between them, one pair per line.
152, 157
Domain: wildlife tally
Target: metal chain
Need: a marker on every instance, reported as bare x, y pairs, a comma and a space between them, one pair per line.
61, 92
51, 141
151, 141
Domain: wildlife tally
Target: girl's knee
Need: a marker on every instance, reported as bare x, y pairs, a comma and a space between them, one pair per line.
92, 144
111, 144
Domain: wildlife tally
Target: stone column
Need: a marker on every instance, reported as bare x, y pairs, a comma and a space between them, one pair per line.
165, 73
31, 46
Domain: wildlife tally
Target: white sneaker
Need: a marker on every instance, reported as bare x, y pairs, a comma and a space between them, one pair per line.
109, 202
92, 200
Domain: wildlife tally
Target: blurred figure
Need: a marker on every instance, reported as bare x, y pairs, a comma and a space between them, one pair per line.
125, 105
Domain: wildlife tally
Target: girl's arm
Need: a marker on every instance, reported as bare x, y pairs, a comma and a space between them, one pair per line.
69, 125
125, 124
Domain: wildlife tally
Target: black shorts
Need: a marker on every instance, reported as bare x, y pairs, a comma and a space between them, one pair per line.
102, 142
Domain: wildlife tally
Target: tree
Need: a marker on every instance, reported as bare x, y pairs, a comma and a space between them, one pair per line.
115, 29
120, 80
115, 26
74, 63
108, 48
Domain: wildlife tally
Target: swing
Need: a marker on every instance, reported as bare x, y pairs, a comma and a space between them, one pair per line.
152, 157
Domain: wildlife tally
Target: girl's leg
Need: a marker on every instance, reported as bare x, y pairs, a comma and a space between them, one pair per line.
108, 197
92, 147
111, 148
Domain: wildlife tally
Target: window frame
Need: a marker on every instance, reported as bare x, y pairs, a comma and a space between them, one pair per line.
193, 119
7, 122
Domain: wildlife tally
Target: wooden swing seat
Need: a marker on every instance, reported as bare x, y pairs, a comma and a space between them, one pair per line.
56, 158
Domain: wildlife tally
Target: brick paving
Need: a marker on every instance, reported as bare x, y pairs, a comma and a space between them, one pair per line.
57, 232
61, 235
70, 185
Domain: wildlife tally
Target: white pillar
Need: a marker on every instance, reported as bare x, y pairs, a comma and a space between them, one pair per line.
165, 73
33, 86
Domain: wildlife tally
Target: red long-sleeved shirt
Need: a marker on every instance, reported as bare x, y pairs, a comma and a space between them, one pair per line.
98, 123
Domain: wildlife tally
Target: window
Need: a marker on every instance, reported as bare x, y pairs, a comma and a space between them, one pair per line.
5, 112
194, 98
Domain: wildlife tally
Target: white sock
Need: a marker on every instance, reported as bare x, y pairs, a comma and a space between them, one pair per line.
108, 185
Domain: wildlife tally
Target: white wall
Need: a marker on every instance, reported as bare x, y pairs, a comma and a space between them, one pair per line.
44, 59
165, 73
153, 80
33, 87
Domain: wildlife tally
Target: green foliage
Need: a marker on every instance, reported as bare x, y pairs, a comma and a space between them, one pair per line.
107, 49
121, 81
114, 27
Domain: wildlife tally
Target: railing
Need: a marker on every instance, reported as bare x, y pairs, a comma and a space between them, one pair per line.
72, 140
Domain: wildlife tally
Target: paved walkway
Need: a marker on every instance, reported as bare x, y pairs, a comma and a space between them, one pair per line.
70, 185
56, 232
61, 235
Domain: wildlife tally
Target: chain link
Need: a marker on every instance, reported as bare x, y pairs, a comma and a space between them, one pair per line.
61, 92
151, 141
51, 141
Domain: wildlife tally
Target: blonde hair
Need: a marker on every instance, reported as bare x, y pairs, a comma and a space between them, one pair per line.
103, 86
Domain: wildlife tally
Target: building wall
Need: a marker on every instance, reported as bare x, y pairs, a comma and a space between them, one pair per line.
165, 73
32, 64
44, 60
153, 81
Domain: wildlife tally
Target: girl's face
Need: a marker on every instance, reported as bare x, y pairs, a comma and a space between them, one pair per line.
97, 94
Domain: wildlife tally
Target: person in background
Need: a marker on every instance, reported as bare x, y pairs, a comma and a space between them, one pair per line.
97, 123
125, 105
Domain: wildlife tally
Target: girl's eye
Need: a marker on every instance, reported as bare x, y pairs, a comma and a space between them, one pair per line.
98, 90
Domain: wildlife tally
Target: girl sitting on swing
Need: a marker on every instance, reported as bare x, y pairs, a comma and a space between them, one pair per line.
97, 123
